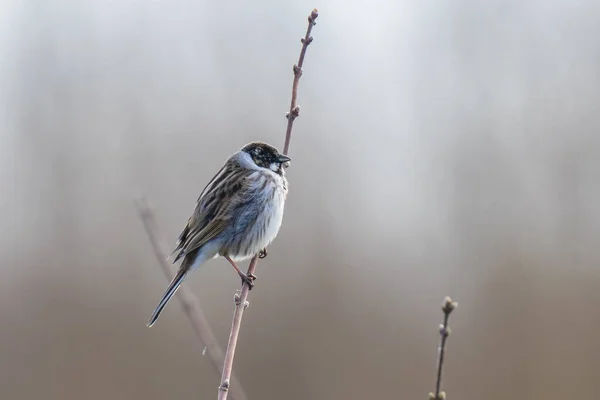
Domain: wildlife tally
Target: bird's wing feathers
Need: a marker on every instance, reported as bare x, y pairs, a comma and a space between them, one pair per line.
198, 238
211, 216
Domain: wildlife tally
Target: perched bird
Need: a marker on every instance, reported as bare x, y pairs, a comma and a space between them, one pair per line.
237, 215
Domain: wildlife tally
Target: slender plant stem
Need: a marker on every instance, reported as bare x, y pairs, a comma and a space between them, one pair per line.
189, 302
240, 305
241, 300
294, 108
447, 306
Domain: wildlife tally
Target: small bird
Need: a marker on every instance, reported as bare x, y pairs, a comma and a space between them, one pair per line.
237, 215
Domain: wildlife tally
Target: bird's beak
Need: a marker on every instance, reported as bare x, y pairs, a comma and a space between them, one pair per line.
283, 158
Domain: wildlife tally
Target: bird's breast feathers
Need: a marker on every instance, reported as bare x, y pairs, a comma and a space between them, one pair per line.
270, 191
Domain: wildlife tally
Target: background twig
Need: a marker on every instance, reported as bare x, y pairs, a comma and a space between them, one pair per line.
241, 302
188, 301
447, 306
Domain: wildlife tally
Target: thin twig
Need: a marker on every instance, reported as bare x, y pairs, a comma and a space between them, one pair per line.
240, 305
240, 301
294, 108
447, 306
188, 301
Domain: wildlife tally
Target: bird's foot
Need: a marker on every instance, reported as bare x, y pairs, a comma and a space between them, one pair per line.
263, 253
248, 279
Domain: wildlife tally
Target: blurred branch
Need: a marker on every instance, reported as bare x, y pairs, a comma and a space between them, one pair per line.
189, 302
447, 306
240, 300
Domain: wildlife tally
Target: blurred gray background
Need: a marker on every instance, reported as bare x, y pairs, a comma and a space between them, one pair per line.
444, 148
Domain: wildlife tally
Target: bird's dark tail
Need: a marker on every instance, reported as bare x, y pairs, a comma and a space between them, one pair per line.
173, 286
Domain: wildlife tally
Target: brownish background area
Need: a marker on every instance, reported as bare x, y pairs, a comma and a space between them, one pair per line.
444, 148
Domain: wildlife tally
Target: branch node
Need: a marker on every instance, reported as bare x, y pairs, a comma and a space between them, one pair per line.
313, 16
294, 114
224, 386
444, 330
441, 396
448, 305
237, 298
307, 41
297, 71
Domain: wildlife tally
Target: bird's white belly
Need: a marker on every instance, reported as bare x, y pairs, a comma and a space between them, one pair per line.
266, 226
271, 218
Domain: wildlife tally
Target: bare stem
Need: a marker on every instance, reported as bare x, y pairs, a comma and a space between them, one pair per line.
188, 301
447, 306
240, 305
241, 300
294, 108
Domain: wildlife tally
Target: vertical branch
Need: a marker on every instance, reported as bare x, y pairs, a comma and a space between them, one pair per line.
241, 299
240, 305
294, 108
447, 308
188, 301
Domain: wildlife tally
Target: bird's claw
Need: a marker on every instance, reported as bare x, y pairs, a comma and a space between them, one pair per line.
248, 279
263, 253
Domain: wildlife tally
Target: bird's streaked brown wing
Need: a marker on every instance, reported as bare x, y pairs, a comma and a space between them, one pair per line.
211, 216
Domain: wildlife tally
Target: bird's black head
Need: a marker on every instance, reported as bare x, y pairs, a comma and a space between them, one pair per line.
266, 156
